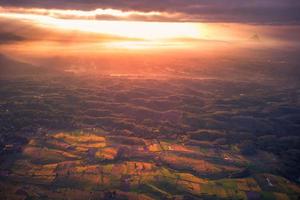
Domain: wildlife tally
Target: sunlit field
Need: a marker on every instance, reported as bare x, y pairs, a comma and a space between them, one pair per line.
147, 101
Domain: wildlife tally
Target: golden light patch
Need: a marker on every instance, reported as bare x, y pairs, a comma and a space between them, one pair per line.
135, 34
130, 29
80, 138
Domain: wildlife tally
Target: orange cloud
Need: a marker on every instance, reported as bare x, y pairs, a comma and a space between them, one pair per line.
230, 11
99, 14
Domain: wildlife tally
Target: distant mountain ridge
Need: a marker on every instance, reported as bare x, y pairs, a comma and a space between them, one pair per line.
255, 38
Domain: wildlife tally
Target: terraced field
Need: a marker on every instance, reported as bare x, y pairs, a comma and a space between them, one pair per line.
78, 165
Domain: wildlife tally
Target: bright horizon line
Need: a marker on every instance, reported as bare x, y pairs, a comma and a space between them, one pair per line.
124, 31
130, 29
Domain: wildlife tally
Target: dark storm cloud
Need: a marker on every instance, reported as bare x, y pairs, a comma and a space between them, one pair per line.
254, 11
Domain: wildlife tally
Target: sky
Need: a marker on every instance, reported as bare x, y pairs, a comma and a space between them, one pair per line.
87, 25
254, 11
